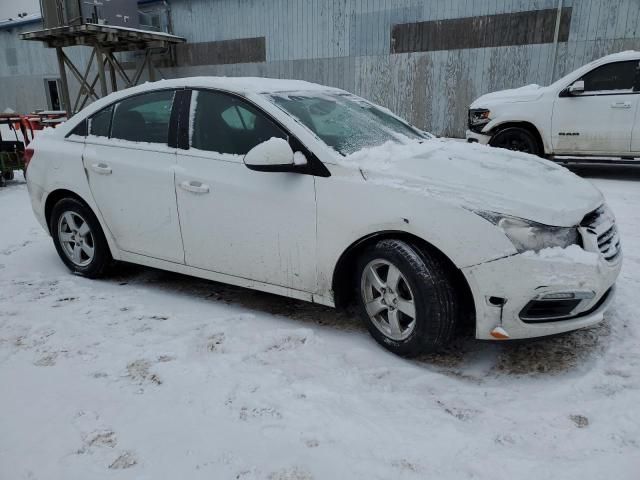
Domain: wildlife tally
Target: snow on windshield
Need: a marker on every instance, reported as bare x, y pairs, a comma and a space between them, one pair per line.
345, 122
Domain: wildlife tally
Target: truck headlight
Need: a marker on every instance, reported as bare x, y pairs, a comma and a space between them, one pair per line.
479, 116
528, 235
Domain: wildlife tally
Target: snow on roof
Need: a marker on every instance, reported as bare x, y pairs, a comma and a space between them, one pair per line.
619, 56
238, 84
17, 21
626, 55
136, 30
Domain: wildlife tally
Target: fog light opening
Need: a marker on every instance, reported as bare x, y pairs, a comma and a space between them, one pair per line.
497, 301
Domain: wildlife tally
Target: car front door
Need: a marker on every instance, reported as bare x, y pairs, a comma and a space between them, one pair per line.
131, 174
598, 121
259, 226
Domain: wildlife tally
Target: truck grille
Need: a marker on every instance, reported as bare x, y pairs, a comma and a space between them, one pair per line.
600, 226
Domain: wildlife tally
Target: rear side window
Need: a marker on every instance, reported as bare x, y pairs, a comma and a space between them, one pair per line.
144, 118
100, 123
223, 123
80, 129
613, 76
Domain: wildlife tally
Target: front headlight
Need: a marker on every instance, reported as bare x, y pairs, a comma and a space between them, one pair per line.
478, 116
528, 235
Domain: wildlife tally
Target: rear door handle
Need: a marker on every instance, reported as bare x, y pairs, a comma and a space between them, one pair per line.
101, 168
194, 186
621, 105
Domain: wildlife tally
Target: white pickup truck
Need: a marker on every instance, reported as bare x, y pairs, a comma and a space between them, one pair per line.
591, 114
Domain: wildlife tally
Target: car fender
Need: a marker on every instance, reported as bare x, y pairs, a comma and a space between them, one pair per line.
538, 116
450, 228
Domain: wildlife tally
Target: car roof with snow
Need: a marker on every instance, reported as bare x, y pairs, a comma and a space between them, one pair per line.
240, 85
626, 55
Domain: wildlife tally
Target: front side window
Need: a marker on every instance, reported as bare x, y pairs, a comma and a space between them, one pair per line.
612, 77
100, 123
345, 122
226, 124
144, 118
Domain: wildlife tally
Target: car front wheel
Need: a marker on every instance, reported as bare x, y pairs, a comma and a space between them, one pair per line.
407, 298
79, 239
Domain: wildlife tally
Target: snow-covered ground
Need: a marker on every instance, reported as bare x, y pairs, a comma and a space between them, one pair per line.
153, 375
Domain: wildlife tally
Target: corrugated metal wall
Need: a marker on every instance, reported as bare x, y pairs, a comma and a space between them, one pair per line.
347, 43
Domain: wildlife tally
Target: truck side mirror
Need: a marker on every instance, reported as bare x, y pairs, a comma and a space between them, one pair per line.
576, 87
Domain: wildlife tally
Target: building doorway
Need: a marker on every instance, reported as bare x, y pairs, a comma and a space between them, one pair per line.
52, 89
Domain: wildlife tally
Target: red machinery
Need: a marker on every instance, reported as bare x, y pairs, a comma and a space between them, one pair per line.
16, 133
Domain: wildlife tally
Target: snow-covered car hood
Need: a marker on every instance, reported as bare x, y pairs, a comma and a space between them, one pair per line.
527, 93
478, 177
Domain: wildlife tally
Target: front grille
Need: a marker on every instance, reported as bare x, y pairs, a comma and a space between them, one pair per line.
601, 224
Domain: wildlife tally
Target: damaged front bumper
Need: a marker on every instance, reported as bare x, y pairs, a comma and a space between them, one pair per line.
530, 295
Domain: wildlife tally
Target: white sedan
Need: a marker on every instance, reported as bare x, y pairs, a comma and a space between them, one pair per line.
313, 193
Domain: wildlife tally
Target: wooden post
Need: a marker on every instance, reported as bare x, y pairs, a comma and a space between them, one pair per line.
64, 84
101, 74
152, 73
112, 72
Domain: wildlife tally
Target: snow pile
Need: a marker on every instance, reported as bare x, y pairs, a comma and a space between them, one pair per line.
522, 94
570, 254
385, 157
271, 152
480, 177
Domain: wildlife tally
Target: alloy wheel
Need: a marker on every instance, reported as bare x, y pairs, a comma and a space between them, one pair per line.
76, 238
388, 299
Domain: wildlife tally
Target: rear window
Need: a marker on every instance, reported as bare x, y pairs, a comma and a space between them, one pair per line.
100, 123
144, 118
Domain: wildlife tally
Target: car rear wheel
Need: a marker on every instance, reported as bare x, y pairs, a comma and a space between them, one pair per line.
517, 139
79, 239
406, 297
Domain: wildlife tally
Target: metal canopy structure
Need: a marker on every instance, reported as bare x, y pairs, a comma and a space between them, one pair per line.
104, 40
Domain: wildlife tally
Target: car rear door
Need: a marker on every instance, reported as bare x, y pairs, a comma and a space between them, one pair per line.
131, 167
600, 120
254, 225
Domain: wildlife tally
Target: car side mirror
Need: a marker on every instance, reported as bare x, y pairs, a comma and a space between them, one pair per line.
576, 87
274, 155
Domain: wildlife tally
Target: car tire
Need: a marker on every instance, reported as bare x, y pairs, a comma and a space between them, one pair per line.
8, 175
410, 305
79, 239
516, 139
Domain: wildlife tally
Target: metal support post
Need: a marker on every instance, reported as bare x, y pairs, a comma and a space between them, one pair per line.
63, 82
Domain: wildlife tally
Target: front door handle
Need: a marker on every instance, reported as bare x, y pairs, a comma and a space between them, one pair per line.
101, 168
621, 105
194, 186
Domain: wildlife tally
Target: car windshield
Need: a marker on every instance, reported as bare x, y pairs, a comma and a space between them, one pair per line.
345, 122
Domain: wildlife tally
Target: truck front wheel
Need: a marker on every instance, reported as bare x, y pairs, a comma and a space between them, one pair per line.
517, 139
